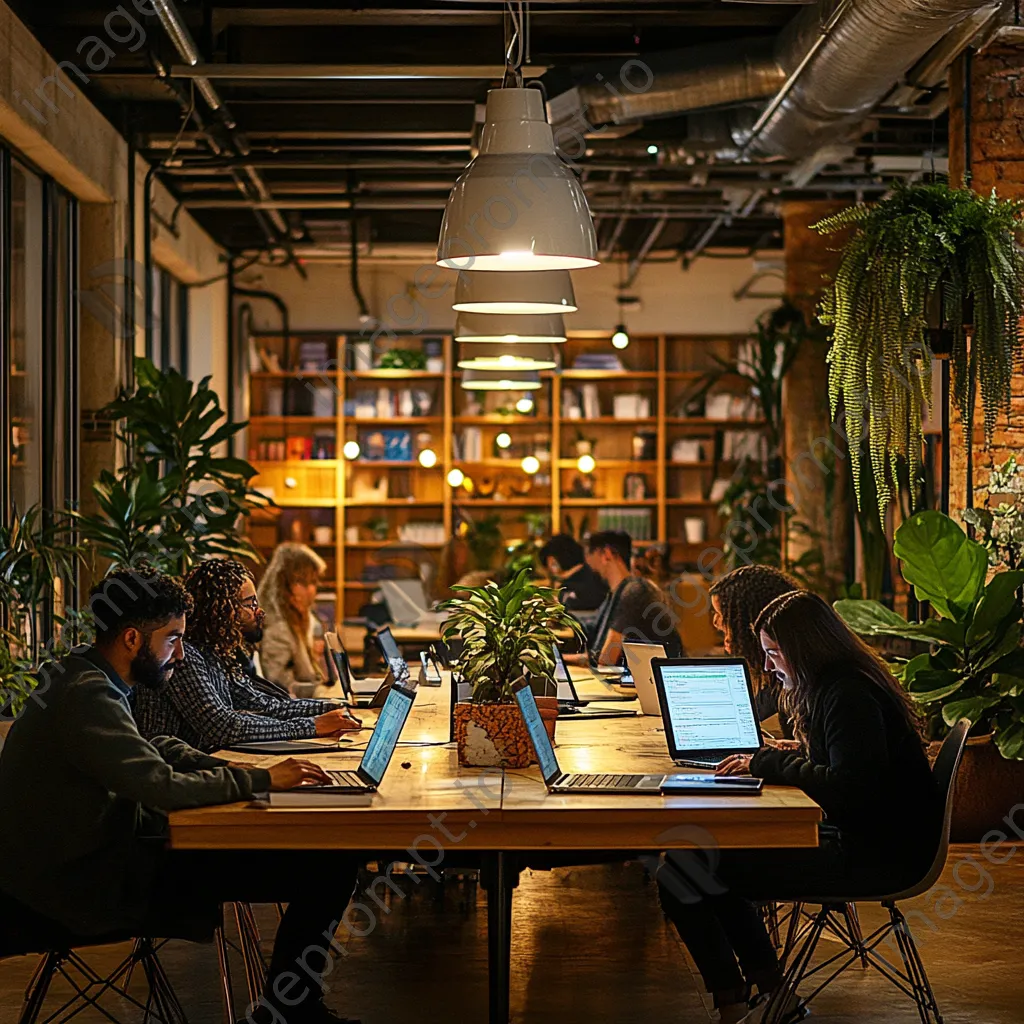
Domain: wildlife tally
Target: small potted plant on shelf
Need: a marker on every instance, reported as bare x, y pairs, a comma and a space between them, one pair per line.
973, 666
378, 527
584, 445
507, 632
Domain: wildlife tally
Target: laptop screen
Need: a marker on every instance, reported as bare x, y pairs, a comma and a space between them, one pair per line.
538, 734
565, 691
406, 599
707, 706
384, 737
392, 654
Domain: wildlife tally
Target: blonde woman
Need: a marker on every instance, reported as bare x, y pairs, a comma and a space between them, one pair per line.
286, 594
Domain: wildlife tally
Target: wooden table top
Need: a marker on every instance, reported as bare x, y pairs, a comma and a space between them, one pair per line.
426, 799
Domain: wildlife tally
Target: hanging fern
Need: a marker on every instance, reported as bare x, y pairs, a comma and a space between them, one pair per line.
920, 238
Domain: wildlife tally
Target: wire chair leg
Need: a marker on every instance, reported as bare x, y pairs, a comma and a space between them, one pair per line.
921, 989
856, 934
35, 994
779, 1007
224, 966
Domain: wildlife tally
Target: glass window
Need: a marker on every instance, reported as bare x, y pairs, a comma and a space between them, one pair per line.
169, 349
26, 337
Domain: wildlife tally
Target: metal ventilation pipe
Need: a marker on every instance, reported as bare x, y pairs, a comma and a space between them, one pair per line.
830, 66
841, 59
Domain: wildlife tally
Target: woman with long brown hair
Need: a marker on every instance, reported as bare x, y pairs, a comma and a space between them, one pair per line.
737, 599
287, 593
862, 760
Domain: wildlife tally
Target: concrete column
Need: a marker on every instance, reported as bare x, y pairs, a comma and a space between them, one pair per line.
815, 455
986, 130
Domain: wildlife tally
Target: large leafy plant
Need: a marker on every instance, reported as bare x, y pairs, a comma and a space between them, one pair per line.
177, 501
921, 241
974, 665
36, 551
507, 632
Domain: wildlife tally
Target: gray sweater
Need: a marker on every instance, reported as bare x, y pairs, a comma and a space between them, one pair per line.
84, 799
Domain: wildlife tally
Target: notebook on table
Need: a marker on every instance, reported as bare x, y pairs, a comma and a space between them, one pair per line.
707, 705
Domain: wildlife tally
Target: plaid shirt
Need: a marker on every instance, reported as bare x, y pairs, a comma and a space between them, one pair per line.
212, 705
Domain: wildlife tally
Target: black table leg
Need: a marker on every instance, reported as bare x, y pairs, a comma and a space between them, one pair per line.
499, 879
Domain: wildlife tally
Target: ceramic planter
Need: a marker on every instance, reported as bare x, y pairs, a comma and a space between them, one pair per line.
987, 787
495, 736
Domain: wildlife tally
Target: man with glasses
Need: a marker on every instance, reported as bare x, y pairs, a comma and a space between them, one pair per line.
214, 700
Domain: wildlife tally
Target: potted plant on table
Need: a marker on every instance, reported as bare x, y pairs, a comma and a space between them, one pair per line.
922, 241
507, 633
974, 664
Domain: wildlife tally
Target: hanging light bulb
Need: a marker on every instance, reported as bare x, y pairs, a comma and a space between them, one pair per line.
455, 477
503, 440
428, 458
501, 356
500, 380
530, 464
517, 206
524, 405
620, 339
351, 450
586, 463
528, 293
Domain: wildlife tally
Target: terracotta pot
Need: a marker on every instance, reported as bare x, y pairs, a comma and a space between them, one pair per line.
987, 787
495, 736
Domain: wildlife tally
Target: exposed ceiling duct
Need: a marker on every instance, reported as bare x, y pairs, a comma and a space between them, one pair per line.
826, 71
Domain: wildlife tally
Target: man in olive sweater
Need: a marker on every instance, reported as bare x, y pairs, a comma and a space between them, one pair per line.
84, 802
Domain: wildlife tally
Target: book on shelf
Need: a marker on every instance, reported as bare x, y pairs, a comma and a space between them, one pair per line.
597, 361
634, 521
591, 402
386, 445
631, 407
469, 446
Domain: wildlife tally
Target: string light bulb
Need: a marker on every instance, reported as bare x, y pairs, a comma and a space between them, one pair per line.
455, 477
503, 440
586, 463
620, 339
351, 450
428, 458
530, 464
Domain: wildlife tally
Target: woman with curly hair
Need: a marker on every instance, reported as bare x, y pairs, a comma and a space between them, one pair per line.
737, 598
287, 593
214, 700
862, 760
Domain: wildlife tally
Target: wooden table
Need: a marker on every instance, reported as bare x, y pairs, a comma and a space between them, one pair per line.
430, 808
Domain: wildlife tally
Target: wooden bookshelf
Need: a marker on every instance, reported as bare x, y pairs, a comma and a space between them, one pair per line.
303, 411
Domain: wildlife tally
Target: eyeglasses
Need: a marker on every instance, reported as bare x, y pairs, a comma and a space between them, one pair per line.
252, 603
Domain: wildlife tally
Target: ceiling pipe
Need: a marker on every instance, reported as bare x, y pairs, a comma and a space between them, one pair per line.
180, 36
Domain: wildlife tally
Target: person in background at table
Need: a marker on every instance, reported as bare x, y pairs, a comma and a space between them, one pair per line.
287, 594
737, 598
212, 702
862, 760
84, 804
635, 610
582, 589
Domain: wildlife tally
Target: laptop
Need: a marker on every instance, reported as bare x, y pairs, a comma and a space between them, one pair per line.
358, 692
638, 658
408, 604
707, 705
568, 699
558, 781
379, 750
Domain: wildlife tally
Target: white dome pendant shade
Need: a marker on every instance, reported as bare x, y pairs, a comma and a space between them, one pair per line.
526, 292
500, 380
517, 206
544, 329
503, 356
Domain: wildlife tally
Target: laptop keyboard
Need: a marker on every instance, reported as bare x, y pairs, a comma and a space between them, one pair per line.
349, 779
603, 781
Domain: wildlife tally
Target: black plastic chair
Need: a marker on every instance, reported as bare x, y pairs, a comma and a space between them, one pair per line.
910, 978
23, 933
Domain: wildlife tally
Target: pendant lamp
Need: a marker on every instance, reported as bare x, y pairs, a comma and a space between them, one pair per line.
500, 380
517, 206
526, 292
544, 329
504, 356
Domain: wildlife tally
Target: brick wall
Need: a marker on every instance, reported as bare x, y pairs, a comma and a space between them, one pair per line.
996, 98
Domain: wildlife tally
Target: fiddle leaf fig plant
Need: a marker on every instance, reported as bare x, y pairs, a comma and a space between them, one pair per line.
507, 632
974, 666
921, 241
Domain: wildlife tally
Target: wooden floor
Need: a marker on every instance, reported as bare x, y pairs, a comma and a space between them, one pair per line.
591, 945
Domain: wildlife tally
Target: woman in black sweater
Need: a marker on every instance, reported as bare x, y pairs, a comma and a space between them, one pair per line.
862, 759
